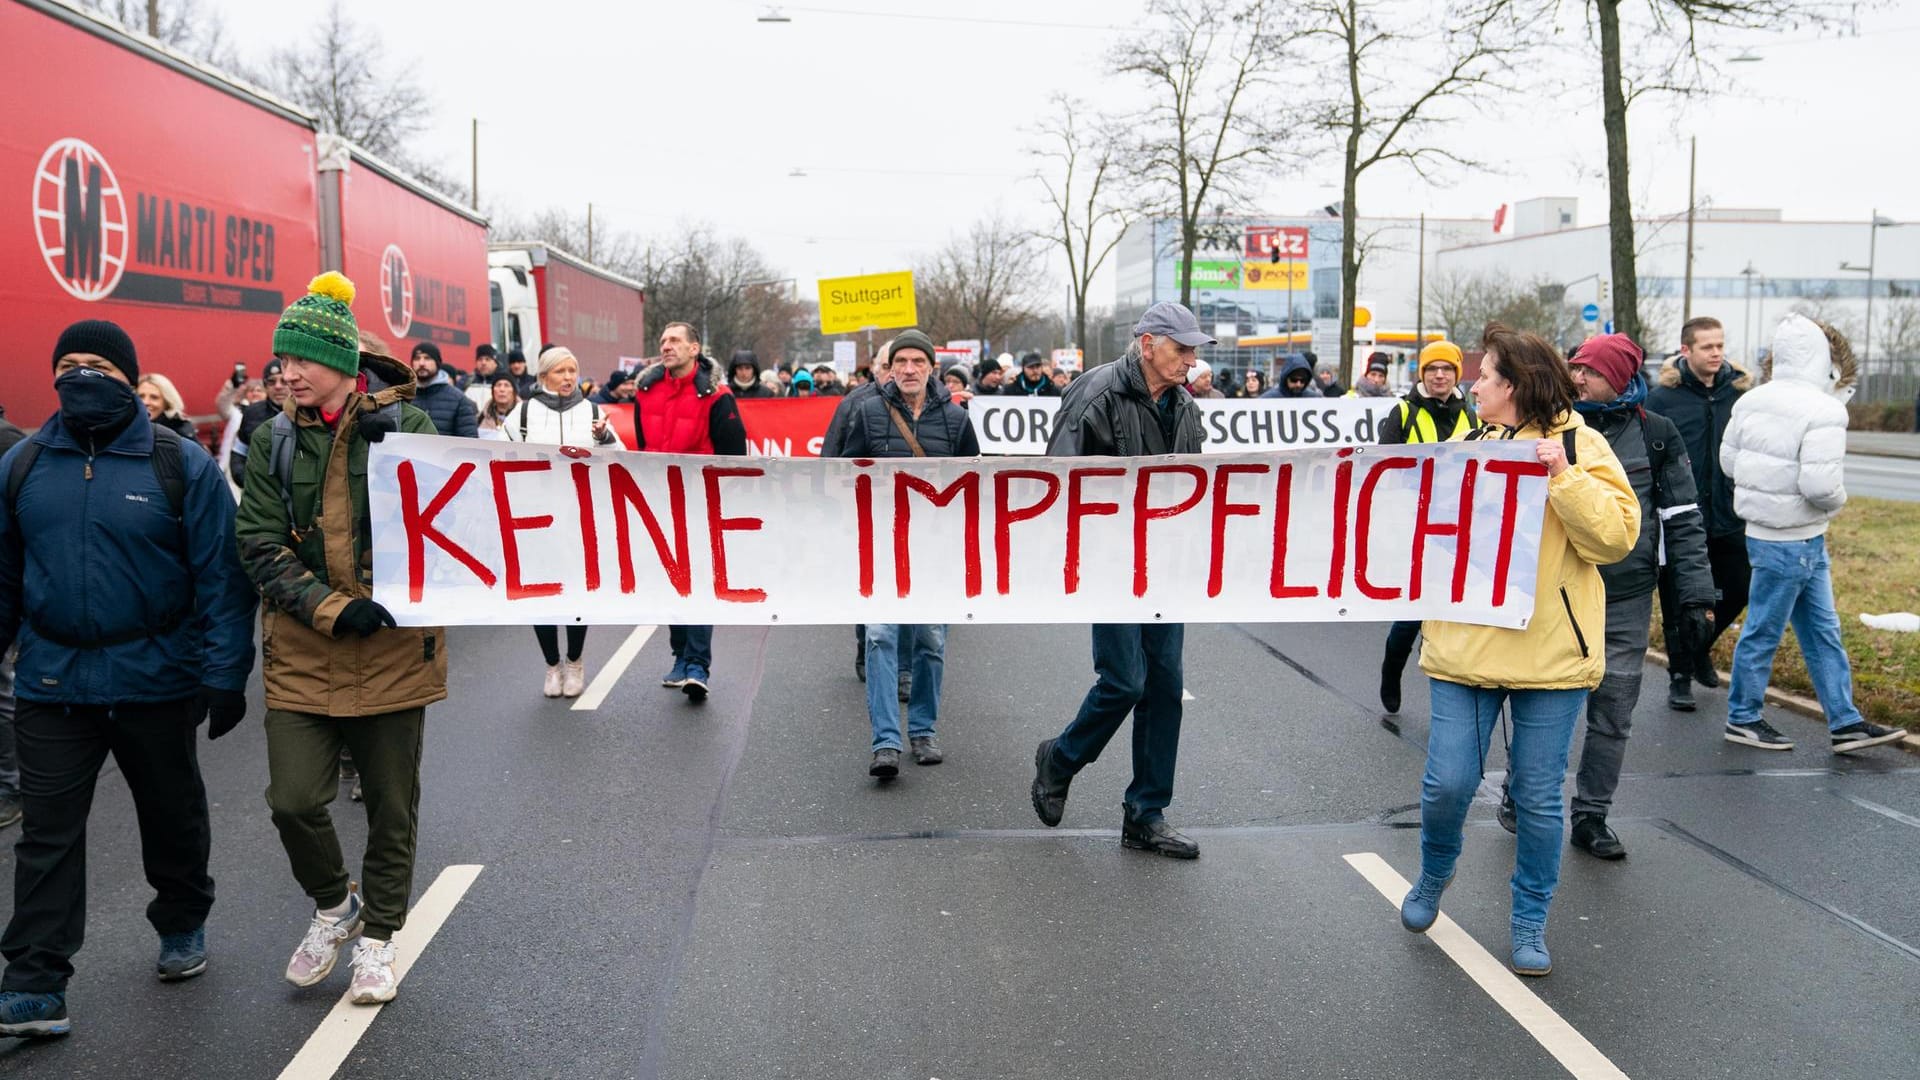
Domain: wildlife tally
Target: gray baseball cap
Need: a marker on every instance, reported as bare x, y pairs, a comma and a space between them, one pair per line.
1168, 319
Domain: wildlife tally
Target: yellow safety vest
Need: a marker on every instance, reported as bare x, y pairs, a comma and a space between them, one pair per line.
1418, 426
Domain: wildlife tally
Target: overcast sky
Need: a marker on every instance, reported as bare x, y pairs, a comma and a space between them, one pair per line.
912, 124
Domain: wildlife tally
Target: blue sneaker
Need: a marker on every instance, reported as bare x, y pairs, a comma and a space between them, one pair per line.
1530, 950
1422, 905
695, 684
33, 1016
182, 956
676, 678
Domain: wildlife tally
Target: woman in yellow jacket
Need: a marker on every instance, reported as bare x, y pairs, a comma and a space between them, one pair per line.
1543, 672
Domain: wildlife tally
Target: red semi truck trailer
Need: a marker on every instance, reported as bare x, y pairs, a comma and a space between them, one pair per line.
164, 197
542, 295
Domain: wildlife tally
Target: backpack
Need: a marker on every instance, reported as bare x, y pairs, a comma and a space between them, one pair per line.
281, 458
169, 468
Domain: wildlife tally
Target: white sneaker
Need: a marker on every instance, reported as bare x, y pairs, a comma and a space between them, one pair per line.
554, 683
574, 679
313, 961
373, 981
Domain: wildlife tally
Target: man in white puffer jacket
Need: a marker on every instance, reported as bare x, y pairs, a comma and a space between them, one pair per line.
1786, 449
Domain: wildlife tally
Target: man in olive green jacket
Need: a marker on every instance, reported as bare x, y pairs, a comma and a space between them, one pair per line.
337, 670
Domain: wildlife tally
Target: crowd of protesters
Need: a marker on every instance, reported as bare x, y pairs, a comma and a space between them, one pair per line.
1710, 492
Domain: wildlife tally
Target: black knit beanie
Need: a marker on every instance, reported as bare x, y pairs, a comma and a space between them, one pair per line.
103, 339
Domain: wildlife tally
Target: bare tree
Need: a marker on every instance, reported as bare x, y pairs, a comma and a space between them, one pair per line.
186, 25
1082, 184
342, 75
982, 284
1212, 67
1389, 103
1668, 59
1464, 302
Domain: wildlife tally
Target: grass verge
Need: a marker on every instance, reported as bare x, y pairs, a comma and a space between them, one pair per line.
1875, 548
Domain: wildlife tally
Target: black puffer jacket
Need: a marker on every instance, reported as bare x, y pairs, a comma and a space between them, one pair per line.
1701, 413
452, 412
943, 428
1674, 506
1108, 413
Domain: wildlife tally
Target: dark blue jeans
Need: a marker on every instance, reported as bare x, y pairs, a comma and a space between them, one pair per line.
693, 644
1139, 670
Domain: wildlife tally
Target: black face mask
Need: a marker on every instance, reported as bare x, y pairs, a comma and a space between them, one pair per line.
94, 401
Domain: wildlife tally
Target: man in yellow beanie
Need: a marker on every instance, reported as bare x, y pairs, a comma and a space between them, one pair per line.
337, 670
1435, 410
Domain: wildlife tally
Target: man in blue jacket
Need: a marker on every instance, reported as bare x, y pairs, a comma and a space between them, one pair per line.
120, 580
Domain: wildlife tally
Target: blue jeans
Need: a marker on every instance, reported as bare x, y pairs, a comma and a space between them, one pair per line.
926, 647
1463, 720
692, 644
1791, 583
1139, 672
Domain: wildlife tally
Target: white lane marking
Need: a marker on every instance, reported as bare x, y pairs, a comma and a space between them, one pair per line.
616, 666
1186, 694
1884, 811
1558, 1037
327, 1049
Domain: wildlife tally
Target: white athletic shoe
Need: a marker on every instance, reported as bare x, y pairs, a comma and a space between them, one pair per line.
313, 961
555, 682
373, 981
574, 679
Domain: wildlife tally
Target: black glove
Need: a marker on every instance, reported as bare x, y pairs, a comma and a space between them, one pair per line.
222, 709
1696, 623
374, 427
362, 617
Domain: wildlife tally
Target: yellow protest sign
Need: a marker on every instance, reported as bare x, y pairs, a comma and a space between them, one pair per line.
869, 301
1283, 275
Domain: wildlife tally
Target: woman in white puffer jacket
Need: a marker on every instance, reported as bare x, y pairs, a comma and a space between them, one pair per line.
1785, 448
558, 414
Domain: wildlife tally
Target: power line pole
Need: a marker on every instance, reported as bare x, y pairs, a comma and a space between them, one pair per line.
1420, 295
475, 142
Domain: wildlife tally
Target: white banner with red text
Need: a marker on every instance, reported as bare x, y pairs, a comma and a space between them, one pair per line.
1021, 425
494, 533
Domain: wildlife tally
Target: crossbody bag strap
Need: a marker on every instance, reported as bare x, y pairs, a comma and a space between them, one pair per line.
900, 422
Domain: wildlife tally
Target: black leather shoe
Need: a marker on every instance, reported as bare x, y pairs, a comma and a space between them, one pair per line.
1390, 691
1158, 837
886, 763
1508, 815
1704, 673
1680, 692
1591, 835
926, 751
1049, 786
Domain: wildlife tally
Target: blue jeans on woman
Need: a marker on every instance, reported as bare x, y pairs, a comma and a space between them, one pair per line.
1791, 584
925, 649
1463, 720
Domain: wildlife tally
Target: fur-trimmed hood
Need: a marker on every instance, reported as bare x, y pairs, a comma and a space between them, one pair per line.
1674, 370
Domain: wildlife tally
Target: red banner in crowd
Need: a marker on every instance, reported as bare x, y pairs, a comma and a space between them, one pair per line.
786, 427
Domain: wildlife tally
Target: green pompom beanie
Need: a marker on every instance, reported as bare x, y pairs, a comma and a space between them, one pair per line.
320, 327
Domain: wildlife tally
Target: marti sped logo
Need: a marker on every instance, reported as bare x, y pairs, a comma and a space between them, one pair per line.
169, 251
396, 290
421, 305
80, 219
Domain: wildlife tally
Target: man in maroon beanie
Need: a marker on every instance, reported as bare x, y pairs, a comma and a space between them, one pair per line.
1606, 371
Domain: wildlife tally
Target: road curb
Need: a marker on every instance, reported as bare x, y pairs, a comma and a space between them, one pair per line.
1791, 702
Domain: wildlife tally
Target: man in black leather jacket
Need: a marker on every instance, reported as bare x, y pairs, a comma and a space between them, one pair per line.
1132, 407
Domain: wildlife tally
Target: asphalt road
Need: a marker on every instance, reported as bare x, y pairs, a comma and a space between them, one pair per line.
720, 891
1883, 477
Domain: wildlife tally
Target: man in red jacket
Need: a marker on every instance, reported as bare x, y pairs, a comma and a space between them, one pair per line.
682, 406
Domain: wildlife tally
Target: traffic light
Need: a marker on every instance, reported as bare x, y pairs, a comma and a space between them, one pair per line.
1603, 290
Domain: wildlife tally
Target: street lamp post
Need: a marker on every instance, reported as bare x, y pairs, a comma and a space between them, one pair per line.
1746, 316
1874, 225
